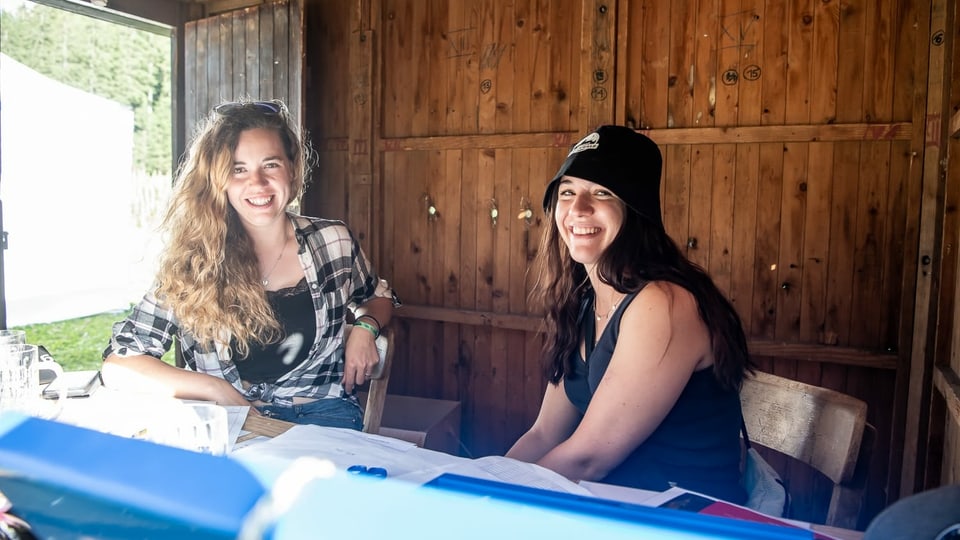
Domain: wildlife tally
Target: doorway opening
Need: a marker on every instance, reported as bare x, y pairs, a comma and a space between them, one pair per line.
85, 161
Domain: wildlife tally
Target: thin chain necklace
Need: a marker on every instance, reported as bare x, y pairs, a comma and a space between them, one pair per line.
266, 279
609, 313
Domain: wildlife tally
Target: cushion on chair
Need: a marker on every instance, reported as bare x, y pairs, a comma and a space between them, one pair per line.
765, 490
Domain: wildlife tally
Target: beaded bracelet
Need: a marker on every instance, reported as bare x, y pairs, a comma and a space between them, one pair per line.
373, 329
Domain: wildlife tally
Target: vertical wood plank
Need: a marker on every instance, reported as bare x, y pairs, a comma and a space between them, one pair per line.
437, 40
767, 291
499, 341
655, 21
296, 61
596, 64
732, 26
823, 74
359, 122
799, 28
419, 120
493, 48
675, 190
468, 357
225, 44
252, 66
503, 83
703, 92
482, 375
449, 277
516, 291
441, 234
525, 42
746, 188
897, 66
190, 79
563, 65
676, 185
722, 212
201, 82
281, 51
237, 65
396, 43
214, 93
459, 70
266, 43
846, 168
680, 85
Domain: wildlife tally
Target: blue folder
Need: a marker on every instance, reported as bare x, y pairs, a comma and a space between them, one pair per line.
452, 506
70, 482
670, 522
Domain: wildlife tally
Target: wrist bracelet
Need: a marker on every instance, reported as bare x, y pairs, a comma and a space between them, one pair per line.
372, 318
373, 330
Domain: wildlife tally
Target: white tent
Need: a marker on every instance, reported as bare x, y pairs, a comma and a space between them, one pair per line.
66, 163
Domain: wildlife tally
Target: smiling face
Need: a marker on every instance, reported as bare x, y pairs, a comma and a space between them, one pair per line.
259, 186
588, 218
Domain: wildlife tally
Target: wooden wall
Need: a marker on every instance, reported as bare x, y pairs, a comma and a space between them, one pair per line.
255, 53
791, 137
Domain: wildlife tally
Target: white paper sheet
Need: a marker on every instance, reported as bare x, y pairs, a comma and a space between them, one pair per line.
401, 459
620, 493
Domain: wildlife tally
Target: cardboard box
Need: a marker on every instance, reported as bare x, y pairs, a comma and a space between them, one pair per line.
429, 423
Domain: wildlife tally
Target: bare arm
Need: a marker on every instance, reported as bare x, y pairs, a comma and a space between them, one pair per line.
556, 421
360, 353
661, 342
144, 373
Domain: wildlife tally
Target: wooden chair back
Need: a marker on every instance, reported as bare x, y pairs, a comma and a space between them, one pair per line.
822, 428
377, 394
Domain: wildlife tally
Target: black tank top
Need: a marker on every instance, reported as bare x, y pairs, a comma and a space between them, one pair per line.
294, 310
696, 446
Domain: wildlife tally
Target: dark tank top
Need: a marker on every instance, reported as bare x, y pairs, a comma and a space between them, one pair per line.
696, 446
293, 307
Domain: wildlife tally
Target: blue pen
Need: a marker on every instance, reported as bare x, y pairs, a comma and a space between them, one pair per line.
363, 470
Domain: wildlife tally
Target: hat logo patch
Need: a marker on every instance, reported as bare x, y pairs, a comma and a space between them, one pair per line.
590, 142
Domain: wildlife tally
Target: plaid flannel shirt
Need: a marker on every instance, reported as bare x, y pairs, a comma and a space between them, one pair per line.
339, 277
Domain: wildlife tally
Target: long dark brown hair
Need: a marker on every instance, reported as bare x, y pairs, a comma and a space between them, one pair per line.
640, 253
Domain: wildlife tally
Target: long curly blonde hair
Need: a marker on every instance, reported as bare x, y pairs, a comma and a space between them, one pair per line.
208, 273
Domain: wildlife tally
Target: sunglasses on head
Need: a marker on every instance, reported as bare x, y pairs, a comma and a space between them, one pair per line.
267, 107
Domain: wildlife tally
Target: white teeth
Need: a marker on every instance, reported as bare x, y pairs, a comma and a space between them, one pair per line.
260, 201
585, 230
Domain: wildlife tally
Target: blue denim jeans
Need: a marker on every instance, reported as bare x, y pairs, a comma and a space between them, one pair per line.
330, 412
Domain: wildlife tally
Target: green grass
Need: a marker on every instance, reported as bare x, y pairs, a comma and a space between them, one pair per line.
77, 343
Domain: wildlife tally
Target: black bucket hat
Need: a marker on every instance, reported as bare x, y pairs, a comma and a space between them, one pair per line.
621, 160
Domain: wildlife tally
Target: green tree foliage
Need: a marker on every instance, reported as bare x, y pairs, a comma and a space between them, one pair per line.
113, 61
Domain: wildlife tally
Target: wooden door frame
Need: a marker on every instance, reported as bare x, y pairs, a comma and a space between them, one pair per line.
930, 313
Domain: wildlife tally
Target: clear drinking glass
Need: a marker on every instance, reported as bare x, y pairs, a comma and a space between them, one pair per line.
201, 427
20, 381
13, 337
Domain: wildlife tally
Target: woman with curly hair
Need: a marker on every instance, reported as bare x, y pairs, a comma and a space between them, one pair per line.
643, 354
257, 296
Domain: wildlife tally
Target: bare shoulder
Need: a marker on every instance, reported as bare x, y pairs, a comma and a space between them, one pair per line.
664, 296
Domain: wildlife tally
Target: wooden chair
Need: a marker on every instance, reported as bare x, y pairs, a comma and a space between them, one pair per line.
377, 394
822, 428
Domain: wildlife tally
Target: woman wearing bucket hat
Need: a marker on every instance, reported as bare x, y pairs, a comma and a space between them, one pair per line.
643, 353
